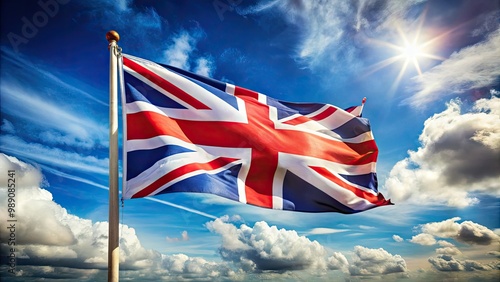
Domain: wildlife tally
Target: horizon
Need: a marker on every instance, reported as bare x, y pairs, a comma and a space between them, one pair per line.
429, 71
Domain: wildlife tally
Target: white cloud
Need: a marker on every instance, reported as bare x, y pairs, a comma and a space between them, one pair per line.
473, 67
423, 239
444, 243
177, 54
49, 235
264, 247
204, 66
368, 262
447, 248
338, 261
65, 125
451, 251
53, 157
444, 229
397, 238
466, 232
449, 263
476, 234
184, 237
325, 27
323, 230
181, 53
458, 157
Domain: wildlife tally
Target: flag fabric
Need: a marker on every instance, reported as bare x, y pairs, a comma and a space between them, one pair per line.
189, 133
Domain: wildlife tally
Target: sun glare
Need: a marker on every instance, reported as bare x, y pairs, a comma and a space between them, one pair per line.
409, 52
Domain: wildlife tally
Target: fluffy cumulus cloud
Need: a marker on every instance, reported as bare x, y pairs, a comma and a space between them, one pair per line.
423, 239
473, 67
458, 157
264, 247
465, 232
267, 248
447, 248
54, 243
77, 248
368, 262
449, 263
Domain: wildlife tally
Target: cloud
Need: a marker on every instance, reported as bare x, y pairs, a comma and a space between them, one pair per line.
449, 263
423, 239
494, 253
184, 237
451, 251
322, 230
368, 262
473, 67
264, 247
181, 53
177, 54
458, 157
321, 27
444, 243
466, 232
338, 261
397, 238
29, 91
204, 66
53, 157
325, 27
51, 242
180, 266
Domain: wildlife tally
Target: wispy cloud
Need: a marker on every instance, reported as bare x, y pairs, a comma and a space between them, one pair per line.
40, 102
324, 230
53, 157
181, 52
331, 33
473, 67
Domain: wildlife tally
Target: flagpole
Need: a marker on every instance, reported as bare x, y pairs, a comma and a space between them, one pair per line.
113, 234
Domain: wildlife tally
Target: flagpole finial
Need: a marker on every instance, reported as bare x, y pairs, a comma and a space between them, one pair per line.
112, 36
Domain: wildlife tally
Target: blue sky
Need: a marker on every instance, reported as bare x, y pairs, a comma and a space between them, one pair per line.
429, 70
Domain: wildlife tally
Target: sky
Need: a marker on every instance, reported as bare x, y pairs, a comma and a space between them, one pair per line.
430, 73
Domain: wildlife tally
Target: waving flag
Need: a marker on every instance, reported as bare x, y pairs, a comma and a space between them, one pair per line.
188, 133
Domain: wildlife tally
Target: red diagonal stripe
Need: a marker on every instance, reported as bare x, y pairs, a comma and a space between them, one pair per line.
324, 114
164, 84
303, 119
181, 171
145, 125
378, 200
240, 91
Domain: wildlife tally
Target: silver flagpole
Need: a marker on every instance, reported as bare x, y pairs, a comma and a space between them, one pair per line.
113, 239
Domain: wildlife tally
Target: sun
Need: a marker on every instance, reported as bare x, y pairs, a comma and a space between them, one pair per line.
409, 51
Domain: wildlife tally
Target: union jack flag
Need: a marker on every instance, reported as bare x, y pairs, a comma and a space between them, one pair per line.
189, 133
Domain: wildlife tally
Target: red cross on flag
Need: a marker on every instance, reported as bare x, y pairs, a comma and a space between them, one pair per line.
188, 133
